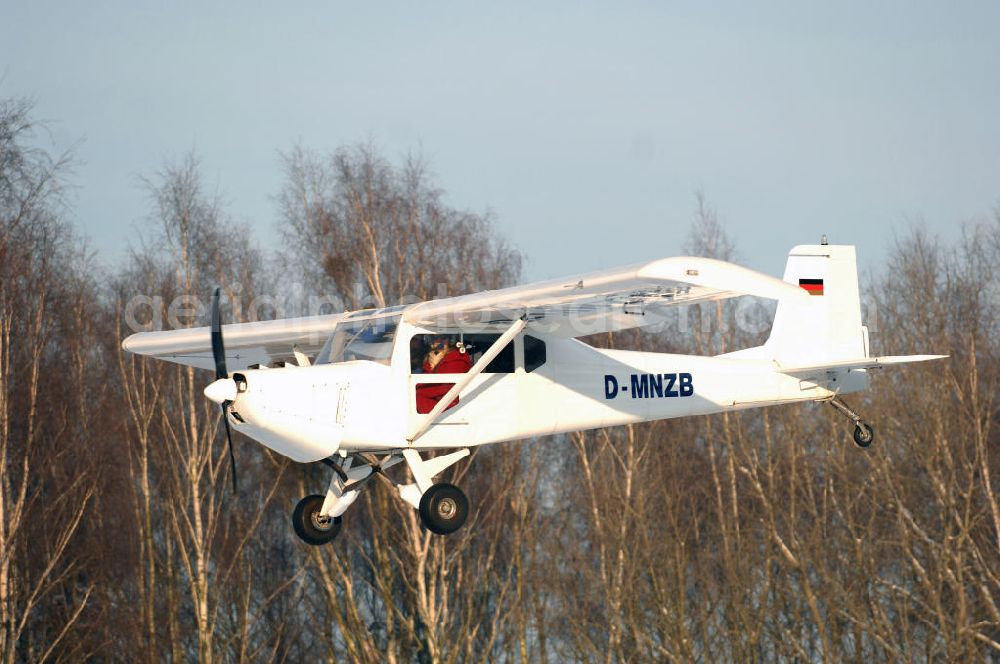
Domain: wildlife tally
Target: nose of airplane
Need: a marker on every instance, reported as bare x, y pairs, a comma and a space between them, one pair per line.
221, 390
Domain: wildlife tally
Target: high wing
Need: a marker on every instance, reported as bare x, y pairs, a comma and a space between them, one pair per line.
574, 306
259, 342
606, 301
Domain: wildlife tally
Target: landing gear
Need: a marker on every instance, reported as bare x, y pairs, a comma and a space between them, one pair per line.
443, 508
311, 525
317, 518
863, 435
863, 432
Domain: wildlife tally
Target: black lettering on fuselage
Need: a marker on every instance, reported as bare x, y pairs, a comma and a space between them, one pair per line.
640, 386
687, 385
610, 387
650, 386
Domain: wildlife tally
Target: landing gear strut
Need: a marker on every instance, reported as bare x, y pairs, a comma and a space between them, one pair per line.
863, 432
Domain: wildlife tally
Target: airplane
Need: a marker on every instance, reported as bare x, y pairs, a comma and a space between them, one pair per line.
359, 391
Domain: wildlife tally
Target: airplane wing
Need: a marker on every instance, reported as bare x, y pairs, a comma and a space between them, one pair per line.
259, 342
606, 301
574, 306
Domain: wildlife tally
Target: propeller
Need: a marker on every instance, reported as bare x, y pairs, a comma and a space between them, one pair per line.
219, 354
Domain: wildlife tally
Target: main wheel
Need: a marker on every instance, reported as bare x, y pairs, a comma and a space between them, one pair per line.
310, 526
444, 508
863, 435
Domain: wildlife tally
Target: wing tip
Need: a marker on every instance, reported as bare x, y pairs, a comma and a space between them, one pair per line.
129, 342
902, 359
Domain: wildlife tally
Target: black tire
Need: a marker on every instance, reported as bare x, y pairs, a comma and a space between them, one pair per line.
309, 527
863, 435
444, 508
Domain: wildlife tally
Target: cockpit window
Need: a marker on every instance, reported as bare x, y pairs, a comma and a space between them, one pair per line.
364, 340
423, 349
534, 353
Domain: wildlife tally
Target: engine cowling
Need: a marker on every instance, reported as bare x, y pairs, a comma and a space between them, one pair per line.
289, 413
309, 413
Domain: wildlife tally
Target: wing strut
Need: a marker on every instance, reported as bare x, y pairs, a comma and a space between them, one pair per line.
466, 378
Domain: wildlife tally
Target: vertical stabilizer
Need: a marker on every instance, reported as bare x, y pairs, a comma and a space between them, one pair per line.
827, 325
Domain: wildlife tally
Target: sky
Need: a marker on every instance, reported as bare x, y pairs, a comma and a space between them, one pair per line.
585, 128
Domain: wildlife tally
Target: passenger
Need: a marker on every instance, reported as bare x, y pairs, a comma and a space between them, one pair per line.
444, 357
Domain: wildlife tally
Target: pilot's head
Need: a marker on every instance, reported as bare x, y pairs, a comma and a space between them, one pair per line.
440, 342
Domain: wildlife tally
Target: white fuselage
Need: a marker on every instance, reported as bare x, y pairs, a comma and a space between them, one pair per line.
309, 413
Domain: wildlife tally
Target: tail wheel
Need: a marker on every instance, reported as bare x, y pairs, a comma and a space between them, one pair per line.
863, 435
310, 526
444, 508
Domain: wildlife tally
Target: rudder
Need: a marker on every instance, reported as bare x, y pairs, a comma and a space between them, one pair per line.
826, 325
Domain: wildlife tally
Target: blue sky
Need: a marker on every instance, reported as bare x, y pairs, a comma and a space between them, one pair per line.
585, 127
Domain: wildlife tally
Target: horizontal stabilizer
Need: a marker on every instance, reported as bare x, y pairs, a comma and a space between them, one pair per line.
860, 363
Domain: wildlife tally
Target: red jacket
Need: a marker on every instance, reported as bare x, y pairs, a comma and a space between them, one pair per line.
428, 394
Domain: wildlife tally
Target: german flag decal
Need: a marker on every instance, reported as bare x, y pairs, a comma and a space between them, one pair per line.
814, 286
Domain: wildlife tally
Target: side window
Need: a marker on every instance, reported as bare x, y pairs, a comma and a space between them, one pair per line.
477, 344
534, 353
365, 339
424, 347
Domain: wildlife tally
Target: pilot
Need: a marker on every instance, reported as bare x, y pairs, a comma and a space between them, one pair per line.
445, 356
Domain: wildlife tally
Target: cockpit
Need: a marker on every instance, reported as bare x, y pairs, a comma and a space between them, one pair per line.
372, 334
369, 338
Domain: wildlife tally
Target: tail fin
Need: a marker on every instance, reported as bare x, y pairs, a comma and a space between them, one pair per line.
826, 326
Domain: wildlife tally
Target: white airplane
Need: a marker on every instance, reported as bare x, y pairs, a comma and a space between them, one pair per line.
365, 390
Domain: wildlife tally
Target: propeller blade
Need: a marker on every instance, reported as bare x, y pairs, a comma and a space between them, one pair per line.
213, 390
229, 440
218, 348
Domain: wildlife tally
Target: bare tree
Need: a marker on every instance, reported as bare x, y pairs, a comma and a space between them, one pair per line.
374, 234
193, 538
39, 565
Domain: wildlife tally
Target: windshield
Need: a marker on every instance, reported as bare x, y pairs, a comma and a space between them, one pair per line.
364, 340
